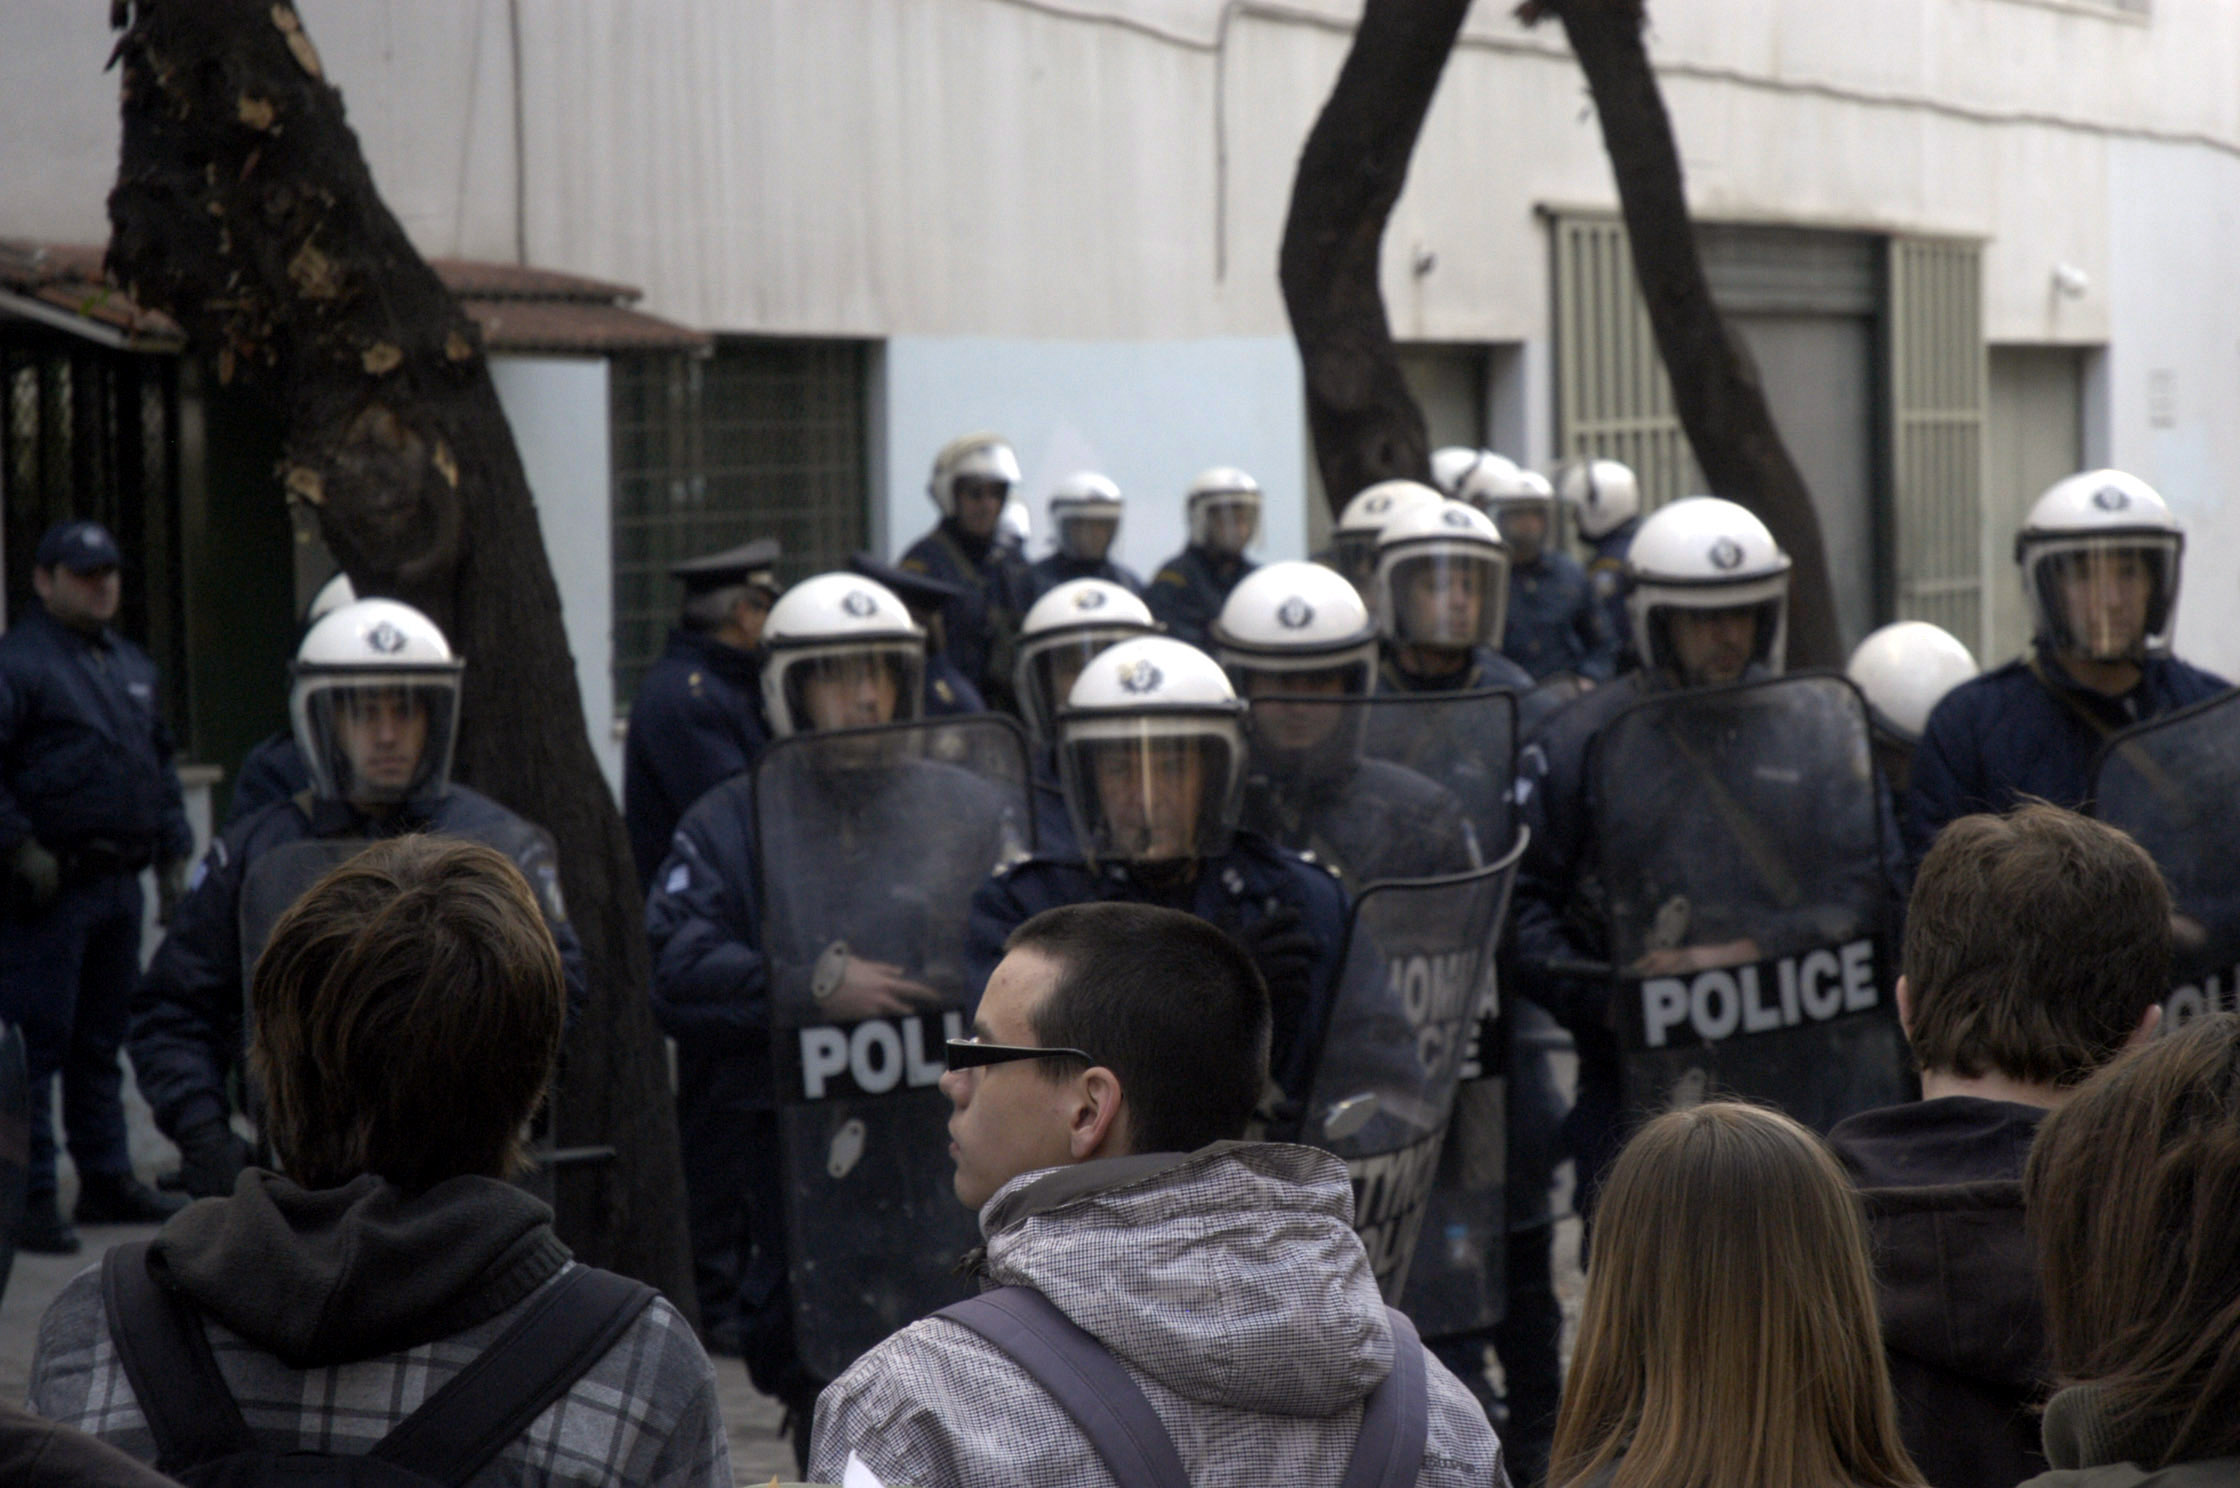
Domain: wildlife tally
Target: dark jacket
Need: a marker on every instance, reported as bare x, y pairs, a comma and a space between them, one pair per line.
980, 625
1607, 577
1956, 1281
948, 692
1372, 821
187, 1024
1188, 591
696, 722
1487, 668
1048, 573
1555, 622
272, 770
84, 754
2029, 730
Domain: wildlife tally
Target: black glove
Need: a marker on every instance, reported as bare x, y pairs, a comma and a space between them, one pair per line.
34, 878
211, 1157
171, 887
1280, 944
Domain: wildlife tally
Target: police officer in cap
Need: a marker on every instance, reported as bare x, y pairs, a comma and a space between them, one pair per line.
697, 718
2099, 557
948, 691
972, 481
88, 798
273, 769
1085, 508
1554, 621
1189, 589
1151, 751
375, 703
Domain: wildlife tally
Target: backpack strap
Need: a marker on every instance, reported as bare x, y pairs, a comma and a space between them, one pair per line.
560, 1334
1397, 1422
167, 1357
1081, 1374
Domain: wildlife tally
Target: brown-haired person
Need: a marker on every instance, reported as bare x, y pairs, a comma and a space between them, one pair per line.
2036, 946
2134, 1194
1728, 1338
406, 1014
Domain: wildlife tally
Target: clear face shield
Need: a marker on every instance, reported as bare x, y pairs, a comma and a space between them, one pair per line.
377, 736
1152, 788
1527, 526
1225, 522
1707, 647
1300, 720
2107, 598
1354, 556
1049, 665
854, 684
1085, 534
1447, 598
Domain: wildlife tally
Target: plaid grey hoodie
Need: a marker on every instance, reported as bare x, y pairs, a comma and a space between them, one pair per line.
1230, 1284
311, 1273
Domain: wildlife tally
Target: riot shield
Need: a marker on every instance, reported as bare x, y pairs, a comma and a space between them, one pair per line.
1417, 986
2174, 784
873, 842
276, 880
1408, 785
1742, 850
15, 1144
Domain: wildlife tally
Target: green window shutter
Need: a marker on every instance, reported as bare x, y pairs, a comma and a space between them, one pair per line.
1612, 398
1936, 426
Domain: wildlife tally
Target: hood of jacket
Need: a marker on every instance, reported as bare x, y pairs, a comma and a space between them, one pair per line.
330, 1276
1231, 1274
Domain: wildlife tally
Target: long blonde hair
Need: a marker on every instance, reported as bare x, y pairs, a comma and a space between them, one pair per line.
1729, 1337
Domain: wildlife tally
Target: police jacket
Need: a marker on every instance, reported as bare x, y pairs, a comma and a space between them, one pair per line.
1371, 821
1487, 668
1555, 622
1187, 592
1048, 573
1606, 576
948, 692
1233, 892
696, 722
2029, 729
981, 624
272, 770
85, 758
889, 873
187, 1025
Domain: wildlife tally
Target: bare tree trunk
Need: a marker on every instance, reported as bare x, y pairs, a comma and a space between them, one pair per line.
1365, 423
243, 208
1714, 382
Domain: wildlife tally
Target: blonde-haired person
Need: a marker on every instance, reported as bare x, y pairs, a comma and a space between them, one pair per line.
1729, 1336
2133, 1191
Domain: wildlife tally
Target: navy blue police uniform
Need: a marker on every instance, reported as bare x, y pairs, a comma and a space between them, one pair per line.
980, 621
86, 771
695, 723
948, 691
188, 1032
2029, 729
272, 770
1555, 623
1369, 821
1046, 574
1188, 591
1608, 579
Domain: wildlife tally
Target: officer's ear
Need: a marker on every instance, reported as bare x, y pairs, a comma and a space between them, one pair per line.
42, 582
2150, 1022
1099, 1126
1905, 1006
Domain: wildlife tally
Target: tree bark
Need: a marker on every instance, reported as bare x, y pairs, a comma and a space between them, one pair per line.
1365, 423
1715, 385
243, 208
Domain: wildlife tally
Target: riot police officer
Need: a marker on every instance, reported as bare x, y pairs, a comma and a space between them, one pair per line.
1904, 670
88, 798
1439, 592
1085, 507
1451, 465
697, 717
972, 481
273, 769
375, 701
948, 691
2100, 561
1554, 622
1188, 590
1605, 500
1299, 632
1151, 751
1353, 545
1066, 627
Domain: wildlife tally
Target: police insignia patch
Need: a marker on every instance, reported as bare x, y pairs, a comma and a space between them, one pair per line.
386, 639
2111, 498
1295, 614
859, 604
1456, 517
1141, 676
1089, 599
1726, 554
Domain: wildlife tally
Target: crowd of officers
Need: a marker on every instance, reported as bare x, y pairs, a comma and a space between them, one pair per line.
1150, 775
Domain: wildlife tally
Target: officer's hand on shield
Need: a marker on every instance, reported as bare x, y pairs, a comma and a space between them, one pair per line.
34, 877
864, 988
1284, 949
1680, 960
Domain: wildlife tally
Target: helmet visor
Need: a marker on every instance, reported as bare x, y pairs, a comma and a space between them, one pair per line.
1152, 788
851, 686
1087, 536
374, 737
1447, 598
1304, 723
1354, 554
2110, 599
1050, 665
1704, 646
1528, 526
1225, 521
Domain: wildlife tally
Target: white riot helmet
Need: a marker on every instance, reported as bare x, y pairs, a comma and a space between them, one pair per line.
984, 457
1450, 463
1442, 578
1905, 670
1065, 628
1288, 622
1015, 526
854, 637
333, 595
1704, 553
1151, 754
1602, 494
1224, 507
2100, 557
375, 704
1085, 508
1507, 492
1353, 546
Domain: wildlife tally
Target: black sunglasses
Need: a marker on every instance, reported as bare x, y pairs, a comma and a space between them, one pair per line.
973, 1054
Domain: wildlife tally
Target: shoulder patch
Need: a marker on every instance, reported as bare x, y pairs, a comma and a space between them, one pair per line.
914, 565
1172, 576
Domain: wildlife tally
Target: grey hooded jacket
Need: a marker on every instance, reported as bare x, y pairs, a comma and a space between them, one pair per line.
1230, 1284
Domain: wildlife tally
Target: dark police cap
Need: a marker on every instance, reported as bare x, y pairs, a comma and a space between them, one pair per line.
754, 563
917, 591
81, 547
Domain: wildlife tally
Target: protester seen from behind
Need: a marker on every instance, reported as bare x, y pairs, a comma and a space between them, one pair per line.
407, 1012
1212, 1289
